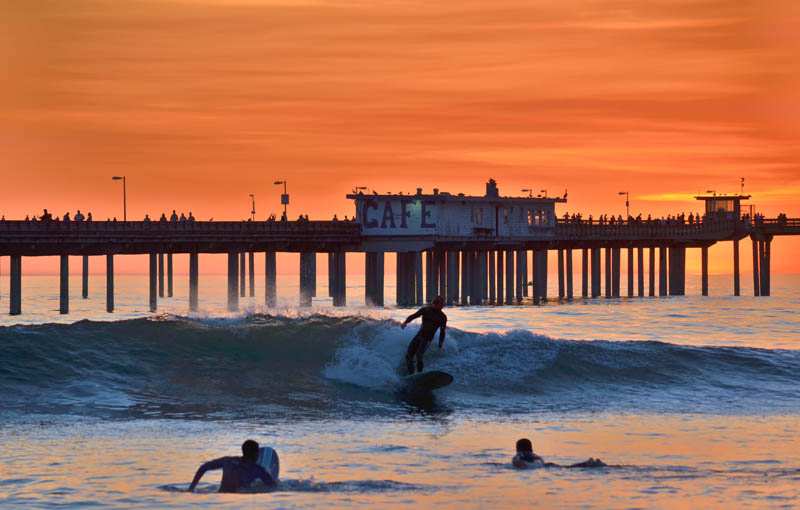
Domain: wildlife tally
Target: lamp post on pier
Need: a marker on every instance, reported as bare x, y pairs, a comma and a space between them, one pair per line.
252, 207
124, 196
627, 204
284, 197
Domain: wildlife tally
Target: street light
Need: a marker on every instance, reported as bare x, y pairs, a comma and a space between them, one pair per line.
284, 198
253, 208
529, 191
627, 203
124, 196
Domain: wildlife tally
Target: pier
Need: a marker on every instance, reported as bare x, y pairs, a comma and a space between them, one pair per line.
470, 250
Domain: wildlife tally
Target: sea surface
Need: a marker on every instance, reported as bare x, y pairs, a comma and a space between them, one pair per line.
692, 402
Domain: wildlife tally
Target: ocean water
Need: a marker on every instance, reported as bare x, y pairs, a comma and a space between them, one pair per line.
692, 402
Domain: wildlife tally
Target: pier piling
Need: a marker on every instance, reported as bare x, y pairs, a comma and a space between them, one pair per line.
194, 276
704, 270
153, 281
306, 281
616, 255
500, 278
109, 283
630, 271
251, 266
519, 280
418, 283
270, 279
523, 261
608, 277
161, 275
756, 278
640, 272
596, 272
242, 270
510, 273
15, 285
85, 277
584, 272
169, 275
63, 301
736, 281
233, 281
651, 282
340, 279
662, 270
569, 274
492, 278
560, 255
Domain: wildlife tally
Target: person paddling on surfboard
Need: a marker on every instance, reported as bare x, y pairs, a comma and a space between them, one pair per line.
432, 319
237, 472
526, 459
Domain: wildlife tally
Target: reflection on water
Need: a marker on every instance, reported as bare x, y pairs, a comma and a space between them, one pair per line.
664, 461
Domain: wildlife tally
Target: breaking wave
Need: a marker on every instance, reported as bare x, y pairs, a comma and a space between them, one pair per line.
319, 365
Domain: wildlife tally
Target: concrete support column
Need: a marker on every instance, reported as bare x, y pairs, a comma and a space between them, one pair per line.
596, 272
608, 276
736, 282
474, 279
765, 249
484, 276
340, 279
616, 255
525, 278
85, 277
492, 267
418, 282
510, 277
544, 267
756, 277
519, 278
704, 270
442, 272
251, 265
306, 280
465, 268
570, 293
500, 278
312, 277
585, 272
63, 295
242, 271
452, 277
374, 278
161, 275
109, 283
169, 275
561, 282
194, 279
662, 271
233, 281
431, 278
153, 282
630, 271
676, 278
270, 278
401, 276
640, 272
15, 285
331, 270
651, 289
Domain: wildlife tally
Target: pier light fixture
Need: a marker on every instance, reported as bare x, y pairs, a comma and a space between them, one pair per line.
529, 191
627, 203
124, 195
252, 207
284, 197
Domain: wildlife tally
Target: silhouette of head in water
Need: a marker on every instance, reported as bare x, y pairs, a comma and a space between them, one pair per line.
438, 302
524, 445
250, 450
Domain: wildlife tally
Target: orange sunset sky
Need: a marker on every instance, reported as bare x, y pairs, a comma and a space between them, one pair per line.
200, 103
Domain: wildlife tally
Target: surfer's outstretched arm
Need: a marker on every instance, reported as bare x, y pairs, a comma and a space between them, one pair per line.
208, 466
411, 317
441, 335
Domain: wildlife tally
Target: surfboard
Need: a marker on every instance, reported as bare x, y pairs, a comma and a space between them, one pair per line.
427, 381
268, 459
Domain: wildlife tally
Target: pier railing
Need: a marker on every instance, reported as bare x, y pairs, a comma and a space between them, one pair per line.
648, 230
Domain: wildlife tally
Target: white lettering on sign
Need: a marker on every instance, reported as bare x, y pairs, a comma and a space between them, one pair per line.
397, 216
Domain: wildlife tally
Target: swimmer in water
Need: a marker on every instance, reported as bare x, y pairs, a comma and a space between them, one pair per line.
432, 319
526, 459
237, 472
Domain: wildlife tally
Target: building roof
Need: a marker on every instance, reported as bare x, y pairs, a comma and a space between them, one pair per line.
449, 197
724, 197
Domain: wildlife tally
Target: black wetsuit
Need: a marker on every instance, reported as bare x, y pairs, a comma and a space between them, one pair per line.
432, 319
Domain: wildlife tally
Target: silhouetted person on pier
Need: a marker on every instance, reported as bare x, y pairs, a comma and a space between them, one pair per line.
89, 216
66, 216
79, 216
46, 216
173, 217
237, 472
146, 218
432, 319
191, 217
163, 217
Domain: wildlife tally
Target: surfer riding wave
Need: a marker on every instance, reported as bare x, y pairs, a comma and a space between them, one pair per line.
432, 319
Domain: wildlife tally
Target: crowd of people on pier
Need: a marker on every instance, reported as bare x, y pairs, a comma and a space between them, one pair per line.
670, 220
